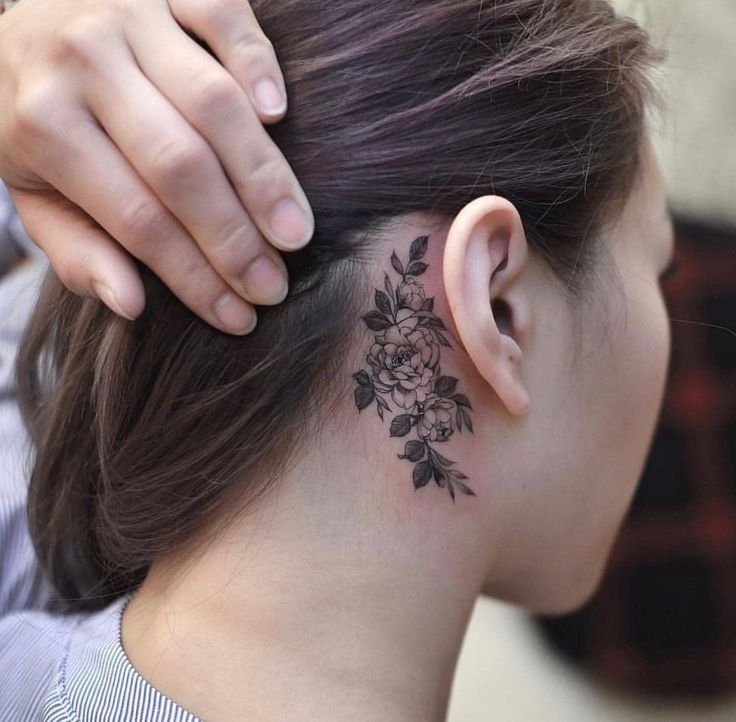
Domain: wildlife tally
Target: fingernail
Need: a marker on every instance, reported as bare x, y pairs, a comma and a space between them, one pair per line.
105, 294
269, 98
265, 282
234, 314
290, 224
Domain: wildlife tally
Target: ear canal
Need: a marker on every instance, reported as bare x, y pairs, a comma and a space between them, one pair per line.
502, 314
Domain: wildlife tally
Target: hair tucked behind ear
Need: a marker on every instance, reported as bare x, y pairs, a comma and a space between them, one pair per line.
147, 433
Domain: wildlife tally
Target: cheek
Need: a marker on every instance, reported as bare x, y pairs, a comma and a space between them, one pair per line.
622, 390
639, 369
590, 430
622, 418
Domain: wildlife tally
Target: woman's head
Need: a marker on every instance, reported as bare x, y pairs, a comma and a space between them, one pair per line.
509, 134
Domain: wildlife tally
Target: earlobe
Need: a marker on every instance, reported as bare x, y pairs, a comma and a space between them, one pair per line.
485, 252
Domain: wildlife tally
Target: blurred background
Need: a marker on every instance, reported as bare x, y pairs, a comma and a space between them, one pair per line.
658, 640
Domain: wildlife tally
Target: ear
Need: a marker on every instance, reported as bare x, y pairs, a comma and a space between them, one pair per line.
485, 252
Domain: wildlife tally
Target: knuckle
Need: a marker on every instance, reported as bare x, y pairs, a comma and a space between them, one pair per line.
256, 52
32, 112
80, 41
263, 45
126, 7
265, 179
142, 219
239, 246
214, 91
192, 281
41, 112
216, 12
176, 159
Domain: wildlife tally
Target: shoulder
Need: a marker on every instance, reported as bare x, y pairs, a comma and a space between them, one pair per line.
74, 669
56, 667
33, 645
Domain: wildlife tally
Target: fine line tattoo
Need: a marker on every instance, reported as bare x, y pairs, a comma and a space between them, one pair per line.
405, 368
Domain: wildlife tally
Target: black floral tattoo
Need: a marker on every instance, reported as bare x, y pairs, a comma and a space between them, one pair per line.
404, 367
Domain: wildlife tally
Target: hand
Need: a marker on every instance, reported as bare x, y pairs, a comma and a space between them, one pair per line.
120, 132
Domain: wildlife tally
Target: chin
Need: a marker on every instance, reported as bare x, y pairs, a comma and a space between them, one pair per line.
564, 606
554, 589
552, 599
555, 595
572, 597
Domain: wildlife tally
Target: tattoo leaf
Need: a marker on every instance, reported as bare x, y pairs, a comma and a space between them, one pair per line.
396, 263
466, 418
451, 490
362, 378
442, 459
422, 474
418, 248
445, 385
461, 400
387, 284
428, 304
416, 269
364, 396
401, 425
465, 489
381, 402
376, 321
441, 339
436, 323
414, 451
382, 303
439, 476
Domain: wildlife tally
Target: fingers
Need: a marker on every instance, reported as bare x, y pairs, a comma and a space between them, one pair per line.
231, 30
83, 163
67, 234
184, 172
181, 174
216, 106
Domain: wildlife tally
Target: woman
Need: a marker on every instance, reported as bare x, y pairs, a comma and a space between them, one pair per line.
456, 396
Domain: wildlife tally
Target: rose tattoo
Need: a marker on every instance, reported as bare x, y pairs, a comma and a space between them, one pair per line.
404, 363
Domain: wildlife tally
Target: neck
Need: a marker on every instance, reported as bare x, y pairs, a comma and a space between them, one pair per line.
345, 595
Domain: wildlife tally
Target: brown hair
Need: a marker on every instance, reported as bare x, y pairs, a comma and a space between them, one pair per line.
146, 432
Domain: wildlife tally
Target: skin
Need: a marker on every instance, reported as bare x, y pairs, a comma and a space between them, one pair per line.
121, 137
346, 594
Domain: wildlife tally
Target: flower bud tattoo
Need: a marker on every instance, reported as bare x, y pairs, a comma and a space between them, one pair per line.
405, 371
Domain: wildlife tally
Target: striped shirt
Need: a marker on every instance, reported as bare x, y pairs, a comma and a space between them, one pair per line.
55, 666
